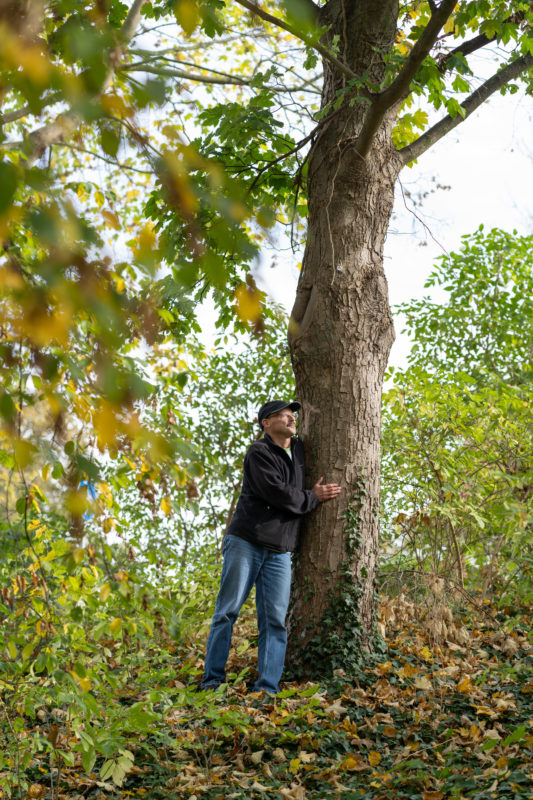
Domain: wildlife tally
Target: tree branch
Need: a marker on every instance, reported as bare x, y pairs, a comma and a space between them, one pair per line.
428, 139
67, 123
112, 162
464, 49
477, 42
190, 76
399, 88
308, 40
18, 113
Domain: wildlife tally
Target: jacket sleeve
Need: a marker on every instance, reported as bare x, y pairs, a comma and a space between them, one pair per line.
266, 481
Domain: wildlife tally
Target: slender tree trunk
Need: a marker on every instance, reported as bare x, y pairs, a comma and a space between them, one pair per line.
340, 336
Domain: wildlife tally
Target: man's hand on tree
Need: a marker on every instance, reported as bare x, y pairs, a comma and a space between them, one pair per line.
326, 491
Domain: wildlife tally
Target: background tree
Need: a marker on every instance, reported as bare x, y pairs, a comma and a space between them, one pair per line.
457, 441
84, 80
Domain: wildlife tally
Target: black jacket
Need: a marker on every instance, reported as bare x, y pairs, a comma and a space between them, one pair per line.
273, 499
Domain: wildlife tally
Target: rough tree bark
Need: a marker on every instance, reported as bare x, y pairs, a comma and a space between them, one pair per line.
340, 336
341, 329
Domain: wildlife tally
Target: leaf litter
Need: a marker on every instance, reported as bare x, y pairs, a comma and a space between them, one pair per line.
425, 720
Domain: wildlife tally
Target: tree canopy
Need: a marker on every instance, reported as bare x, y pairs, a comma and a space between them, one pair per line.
150, 154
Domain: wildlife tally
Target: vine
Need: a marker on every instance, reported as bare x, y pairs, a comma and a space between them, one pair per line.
338, 640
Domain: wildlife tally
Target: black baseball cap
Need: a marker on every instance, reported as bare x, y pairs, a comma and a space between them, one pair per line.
272, 407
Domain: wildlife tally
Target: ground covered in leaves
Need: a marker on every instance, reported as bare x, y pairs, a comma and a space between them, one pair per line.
422, 721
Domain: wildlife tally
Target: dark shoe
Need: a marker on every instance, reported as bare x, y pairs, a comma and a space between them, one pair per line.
209, 687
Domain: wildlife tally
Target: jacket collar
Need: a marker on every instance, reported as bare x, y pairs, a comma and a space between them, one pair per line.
271, 443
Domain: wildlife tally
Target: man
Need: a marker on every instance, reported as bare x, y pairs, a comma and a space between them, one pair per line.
260, 538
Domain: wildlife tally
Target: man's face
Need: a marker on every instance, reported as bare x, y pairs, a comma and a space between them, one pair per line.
281, 423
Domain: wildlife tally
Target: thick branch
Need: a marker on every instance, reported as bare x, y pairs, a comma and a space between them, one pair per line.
18, 113
464, 49
428, 139
308, 40
399, 88
65, 125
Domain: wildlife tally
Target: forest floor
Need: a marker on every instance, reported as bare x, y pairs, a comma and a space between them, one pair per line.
423, 721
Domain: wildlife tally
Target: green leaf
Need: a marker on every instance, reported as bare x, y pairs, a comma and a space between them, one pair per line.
515, 736
488, 744
107, 769
88, 759
8, 184
109, 140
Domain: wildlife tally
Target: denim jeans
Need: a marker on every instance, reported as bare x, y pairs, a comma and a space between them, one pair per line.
245, 564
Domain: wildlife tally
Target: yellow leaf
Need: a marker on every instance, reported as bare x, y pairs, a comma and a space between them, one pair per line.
425, 653
111, 218
248, 303
85, 684
166, 506
27, 651
115, 625
11, 646
388, 730
465, 685
449, 25
109, 524
78, 554
187, 15
145, 243
36, 791
45, 472
100, 199
423, 683
105, 591
115, 105
9, 277
294, 765
407, 671
475, 732
23, 452
35, 66
374, 758
76, 503
354, 762
106, 425
238, 211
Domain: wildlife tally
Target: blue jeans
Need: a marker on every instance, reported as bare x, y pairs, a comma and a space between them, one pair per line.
246, 564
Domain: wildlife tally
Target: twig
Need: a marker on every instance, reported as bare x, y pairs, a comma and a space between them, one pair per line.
415, 215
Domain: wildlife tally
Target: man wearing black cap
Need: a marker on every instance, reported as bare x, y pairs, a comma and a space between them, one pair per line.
257, 546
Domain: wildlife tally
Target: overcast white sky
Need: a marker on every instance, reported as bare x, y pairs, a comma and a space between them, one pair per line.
488, 163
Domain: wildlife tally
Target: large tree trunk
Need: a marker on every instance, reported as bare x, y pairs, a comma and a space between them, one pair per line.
340, 336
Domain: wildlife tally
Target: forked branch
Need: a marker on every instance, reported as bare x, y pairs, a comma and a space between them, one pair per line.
501, 78
399, 88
